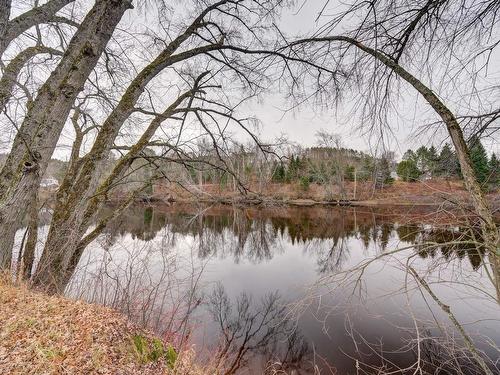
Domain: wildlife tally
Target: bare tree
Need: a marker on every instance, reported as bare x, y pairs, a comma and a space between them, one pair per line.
12, 29
38, 134
333, 145
385, 41
209, 40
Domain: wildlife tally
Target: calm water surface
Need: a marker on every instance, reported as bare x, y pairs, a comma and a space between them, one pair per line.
284, 286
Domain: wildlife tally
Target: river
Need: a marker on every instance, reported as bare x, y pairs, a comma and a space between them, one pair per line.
303, 290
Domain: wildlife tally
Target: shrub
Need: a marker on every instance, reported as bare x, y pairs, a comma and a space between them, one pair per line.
407, 170
304, 183
154, 351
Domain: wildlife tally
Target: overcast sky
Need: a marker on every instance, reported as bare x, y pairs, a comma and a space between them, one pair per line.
301, 125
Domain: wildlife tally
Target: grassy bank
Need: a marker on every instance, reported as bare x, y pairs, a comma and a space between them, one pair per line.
432, 192
41, 334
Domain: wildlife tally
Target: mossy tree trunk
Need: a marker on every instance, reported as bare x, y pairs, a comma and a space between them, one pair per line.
81, 194
72, 217
37, 137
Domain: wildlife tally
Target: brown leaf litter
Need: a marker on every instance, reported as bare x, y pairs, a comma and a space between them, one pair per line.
42, 334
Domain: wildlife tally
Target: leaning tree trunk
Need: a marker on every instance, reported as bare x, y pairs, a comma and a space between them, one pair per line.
491, 235
72, 214
72, 217
38, 135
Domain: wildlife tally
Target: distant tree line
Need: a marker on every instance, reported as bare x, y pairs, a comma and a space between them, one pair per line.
430, 163
306, 170
334, 166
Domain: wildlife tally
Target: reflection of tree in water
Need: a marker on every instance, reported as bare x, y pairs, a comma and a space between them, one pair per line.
460, 242
447, 356
331, 255
250, 331
409, 233
253, 234
385, 234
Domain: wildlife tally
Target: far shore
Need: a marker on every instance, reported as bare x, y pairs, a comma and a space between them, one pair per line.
437, 192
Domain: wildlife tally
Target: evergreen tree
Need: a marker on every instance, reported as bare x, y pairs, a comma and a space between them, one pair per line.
447, 164
349, 172
407, 170
432, 160
422, 157
479, 159
494, 167
279, 174
367, 168
293, 168
383, 172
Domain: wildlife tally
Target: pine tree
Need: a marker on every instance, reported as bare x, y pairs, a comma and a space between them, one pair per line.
367, 168
432, 160
479, 159
292, 172
383, 172
494, 166
423, 159
447, 164
407, 170
279, 174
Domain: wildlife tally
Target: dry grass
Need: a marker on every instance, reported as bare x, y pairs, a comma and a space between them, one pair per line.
426, 192
41, 334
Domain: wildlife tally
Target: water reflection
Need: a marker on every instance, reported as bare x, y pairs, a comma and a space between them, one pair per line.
256, 329
159, 265
254, 234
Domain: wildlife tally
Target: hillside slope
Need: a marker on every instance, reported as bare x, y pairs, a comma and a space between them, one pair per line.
41, 334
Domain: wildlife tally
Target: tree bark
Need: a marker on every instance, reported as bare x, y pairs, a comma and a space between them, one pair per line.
15, 27
72, 218
38, 135
11, 72
32, 239
5, 6
12, 212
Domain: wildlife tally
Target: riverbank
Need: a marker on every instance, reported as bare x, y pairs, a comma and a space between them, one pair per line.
426, 193
41, 334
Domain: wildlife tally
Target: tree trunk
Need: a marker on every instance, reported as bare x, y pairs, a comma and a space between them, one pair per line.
39, 133
5, 6
86, 176
12, 212
52, 270
80, 195
31, 241
56, 267
73, 217
491, 235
